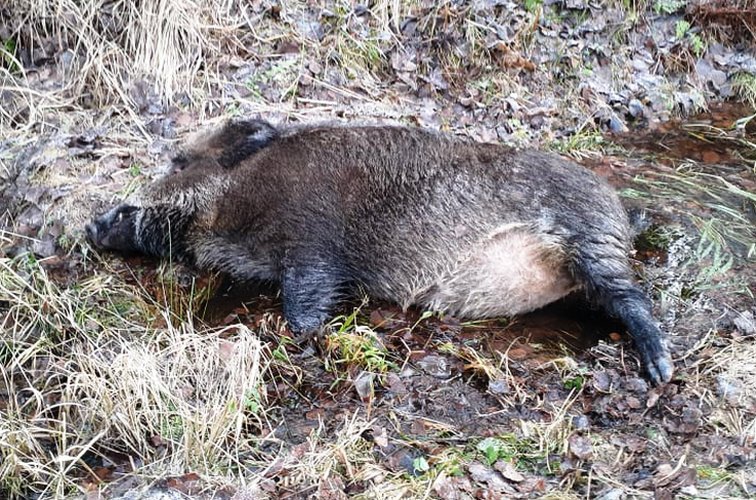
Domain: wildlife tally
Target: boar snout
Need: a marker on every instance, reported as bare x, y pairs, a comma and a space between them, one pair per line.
115, 230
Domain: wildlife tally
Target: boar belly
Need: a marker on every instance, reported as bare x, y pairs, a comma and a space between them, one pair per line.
512, 271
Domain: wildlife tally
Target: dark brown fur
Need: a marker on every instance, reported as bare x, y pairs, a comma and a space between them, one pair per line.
408, 215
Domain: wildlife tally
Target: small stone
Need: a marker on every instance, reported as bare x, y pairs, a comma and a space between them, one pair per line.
436, 366
635, 108
581, 422
363, 384
44, 247
498, 386
616, 125
730, 390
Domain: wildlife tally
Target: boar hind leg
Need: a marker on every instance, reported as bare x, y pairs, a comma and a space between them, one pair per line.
310, 287
607, 276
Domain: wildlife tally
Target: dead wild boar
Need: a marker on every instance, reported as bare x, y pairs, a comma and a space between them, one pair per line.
416, 217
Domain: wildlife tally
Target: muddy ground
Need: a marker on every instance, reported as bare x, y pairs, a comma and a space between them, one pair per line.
386, 403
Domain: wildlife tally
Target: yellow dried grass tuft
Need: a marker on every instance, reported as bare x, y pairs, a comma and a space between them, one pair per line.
83, 375
104, 48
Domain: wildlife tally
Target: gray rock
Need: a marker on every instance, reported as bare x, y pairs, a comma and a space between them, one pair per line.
635, 108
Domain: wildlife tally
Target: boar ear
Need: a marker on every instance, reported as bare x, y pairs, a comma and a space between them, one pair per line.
241, 139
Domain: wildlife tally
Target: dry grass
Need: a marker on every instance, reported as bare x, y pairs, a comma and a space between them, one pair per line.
719, 210
84, 375
136, 54
113, 45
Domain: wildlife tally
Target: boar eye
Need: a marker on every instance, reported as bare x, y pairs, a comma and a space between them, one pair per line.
123, 212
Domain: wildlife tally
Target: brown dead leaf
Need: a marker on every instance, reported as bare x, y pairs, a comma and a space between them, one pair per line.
508, 471
509, 58
157, 441
636, 384
488, 476
633, 402
519, 353
581, 447
451, 488
314, 414
229, 319
653, 397
331, 488
532, 485
298, 451
226, 350
663, 494
602, 381
396, 385
377, 319
710, 157
186, 484
380, 436
386, 318
674, 477
687, 423
664, 474
102, 473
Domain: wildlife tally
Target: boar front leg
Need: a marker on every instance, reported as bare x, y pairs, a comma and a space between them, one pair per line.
310, 287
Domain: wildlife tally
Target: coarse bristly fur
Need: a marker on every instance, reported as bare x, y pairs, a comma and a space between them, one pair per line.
413, 216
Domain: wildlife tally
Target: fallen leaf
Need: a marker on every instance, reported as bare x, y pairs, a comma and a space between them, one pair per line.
363, 384
331, 488
508, 471
581, 447
437, 366
490, 477
532, 484
380, 437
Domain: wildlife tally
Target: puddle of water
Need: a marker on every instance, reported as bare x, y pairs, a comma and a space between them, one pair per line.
570, 322
239, 299
714, 137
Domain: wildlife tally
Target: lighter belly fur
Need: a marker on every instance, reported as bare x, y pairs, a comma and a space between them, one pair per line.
512, 271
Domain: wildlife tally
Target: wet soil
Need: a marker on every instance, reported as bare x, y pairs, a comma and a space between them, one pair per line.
714, 137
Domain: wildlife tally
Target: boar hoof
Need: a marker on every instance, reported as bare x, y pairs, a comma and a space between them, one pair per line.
657, 361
